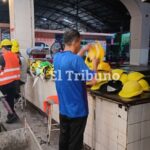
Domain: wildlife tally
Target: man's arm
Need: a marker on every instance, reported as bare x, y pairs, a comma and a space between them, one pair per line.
84, 49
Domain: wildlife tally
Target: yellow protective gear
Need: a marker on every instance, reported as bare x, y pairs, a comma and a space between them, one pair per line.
89, 63
135, 76
15, 46
6, 42
117, 73
144, 85
124, 78
104, 66
97, 86
130, 89
100, 51
103, 76
92, 53
96, 51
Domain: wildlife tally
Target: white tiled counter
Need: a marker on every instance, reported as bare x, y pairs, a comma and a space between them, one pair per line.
111, 125
42, 89
120, 127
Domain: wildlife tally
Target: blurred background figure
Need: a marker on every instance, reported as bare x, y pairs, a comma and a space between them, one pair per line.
9, 75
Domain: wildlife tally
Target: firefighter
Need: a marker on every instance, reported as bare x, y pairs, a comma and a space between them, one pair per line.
9, 74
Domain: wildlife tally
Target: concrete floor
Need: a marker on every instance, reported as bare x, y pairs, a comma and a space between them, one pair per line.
37, 124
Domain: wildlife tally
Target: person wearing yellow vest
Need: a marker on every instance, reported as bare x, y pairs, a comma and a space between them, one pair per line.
9, 74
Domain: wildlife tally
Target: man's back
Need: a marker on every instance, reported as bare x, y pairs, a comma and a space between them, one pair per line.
71, 90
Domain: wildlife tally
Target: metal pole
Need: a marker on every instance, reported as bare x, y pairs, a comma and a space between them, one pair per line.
77, 13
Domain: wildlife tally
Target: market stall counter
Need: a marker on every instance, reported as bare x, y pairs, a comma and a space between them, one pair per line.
114, 123
121, 124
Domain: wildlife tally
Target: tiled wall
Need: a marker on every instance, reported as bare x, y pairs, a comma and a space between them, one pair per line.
111, 126
89, 131
139, 128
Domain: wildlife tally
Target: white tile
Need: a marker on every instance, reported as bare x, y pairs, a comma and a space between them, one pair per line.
102, 138
145, 129
145, 144
103, 147
90, 141
110, 108
120, 147
135, 114
122, 126
97, 146
86, 139
113, 135
122, 139
112, 145
134, 146
122, 113
134, 133
146, 112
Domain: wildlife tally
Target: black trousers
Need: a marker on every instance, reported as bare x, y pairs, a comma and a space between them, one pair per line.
71, 133
9, 91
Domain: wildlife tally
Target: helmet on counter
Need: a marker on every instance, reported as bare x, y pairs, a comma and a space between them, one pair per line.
118, 71
130, 89
104, 66
135, 76
97, 86
144, 85
124, 78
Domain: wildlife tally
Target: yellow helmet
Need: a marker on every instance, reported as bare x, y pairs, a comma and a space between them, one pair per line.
144, 85
92, 53
100, 51
124, 78
6, 42
97, 86
119, 71
130, 89
135, 76
104, 66
89, 63
103, 76
15, 46
96, 51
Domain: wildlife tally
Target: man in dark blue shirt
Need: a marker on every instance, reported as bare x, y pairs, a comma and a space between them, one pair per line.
71, 75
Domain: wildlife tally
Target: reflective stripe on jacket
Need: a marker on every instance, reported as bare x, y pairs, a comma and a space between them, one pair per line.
11, 70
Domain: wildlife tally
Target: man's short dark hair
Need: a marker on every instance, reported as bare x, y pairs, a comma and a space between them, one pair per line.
70, 36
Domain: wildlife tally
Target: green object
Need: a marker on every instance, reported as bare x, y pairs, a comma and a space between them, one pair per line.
45, 64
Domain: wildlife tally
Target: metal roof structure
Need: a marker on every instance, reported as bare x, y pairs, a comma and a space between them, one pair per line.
85, 15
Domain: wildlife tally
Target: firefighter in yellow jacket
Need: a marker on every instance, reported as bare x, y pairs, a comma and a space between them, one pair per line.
9, 74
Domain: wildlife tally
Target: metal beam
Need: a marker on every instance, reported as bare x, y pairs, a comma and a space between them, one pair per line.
39, 16
69, 15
